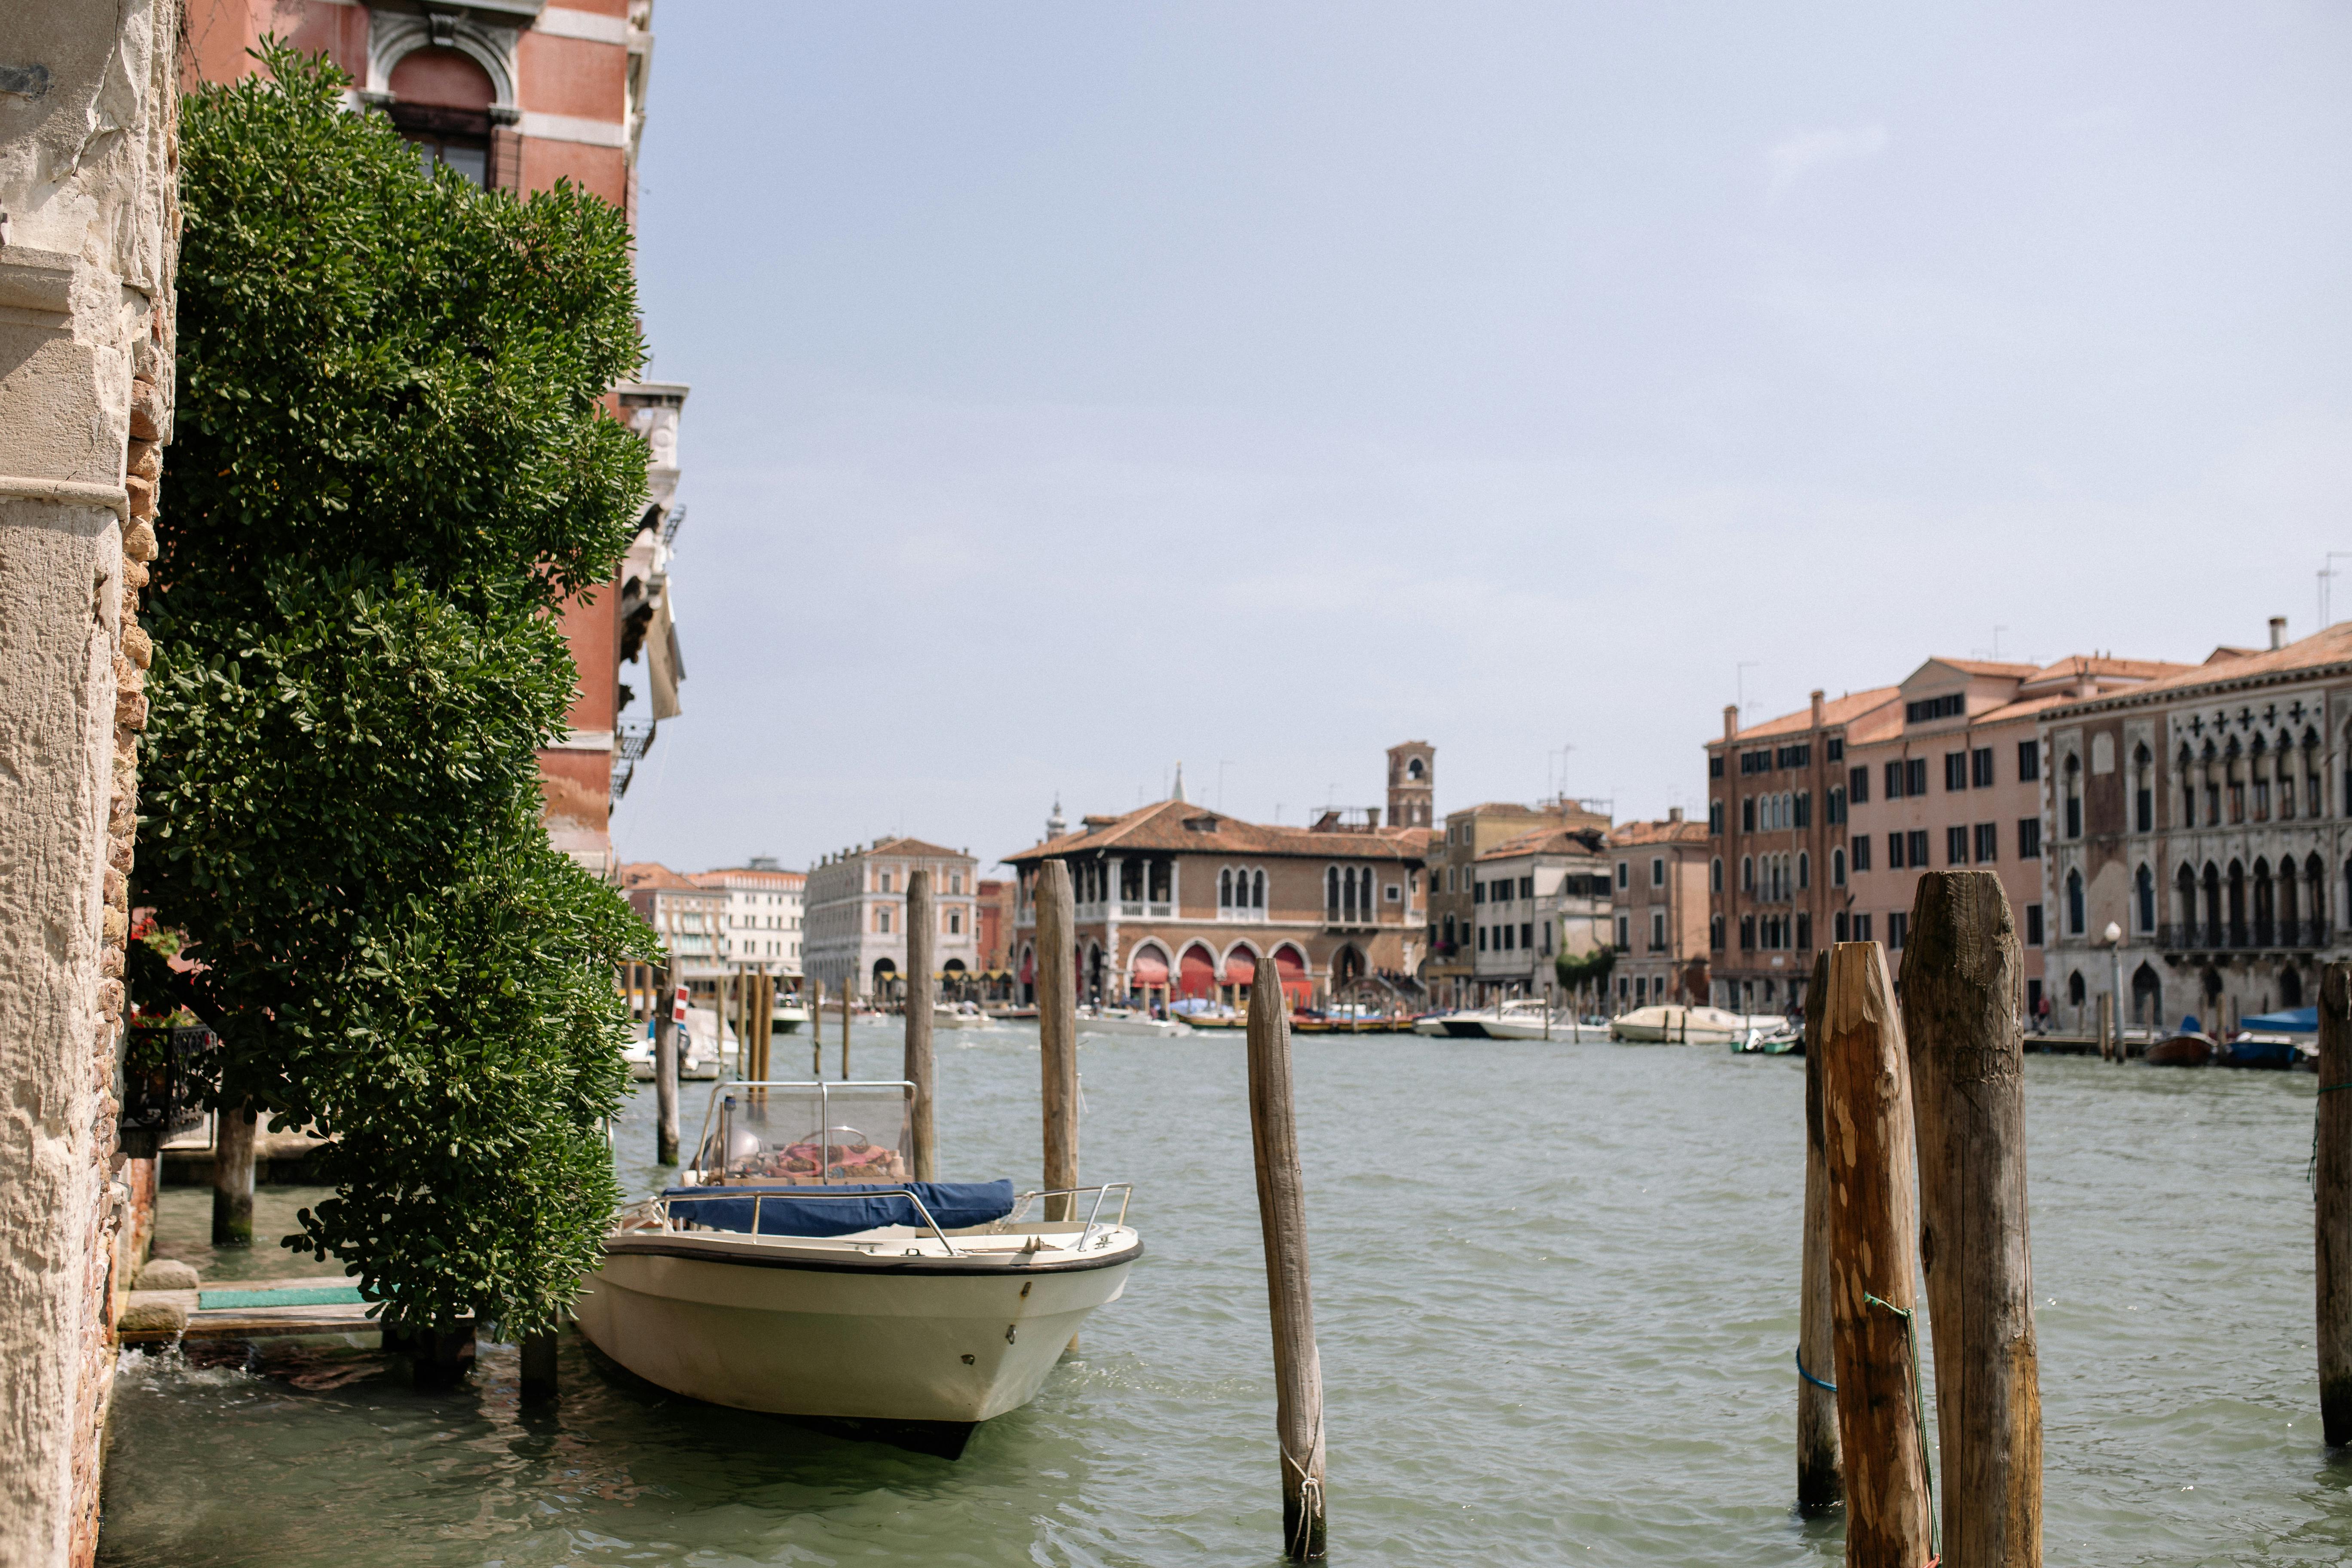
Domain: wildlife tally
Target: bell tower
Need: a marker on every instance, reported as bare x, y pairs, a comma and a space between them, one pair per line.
1412, 784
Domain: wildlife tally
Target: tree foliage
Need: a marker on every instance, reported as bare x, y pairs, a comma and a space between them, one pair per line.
1578, 969
390, 468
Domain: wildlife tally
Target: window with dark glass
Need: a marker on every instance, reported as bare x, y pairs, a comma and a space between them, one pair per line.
1987, 843
1894, 780
1861, 927
1857, 785
2029, 760
1915, 848
1981, 767
2029, 838
1914, 776
1956, 847
1894, 851
1956, 770
1861, 845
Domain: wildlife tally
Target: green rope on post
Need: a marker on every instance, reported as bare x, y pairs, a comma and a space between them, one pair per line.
1919, 1416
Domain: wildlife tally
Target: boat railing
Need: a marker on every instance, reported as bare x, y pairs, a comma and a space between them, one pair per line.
722, 1099
1126, 1194
797, 1194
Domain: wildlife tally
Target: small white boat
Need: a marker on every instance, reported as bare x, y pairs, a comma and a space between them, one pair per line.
702, 1049
805, 1276
788, 1018
1521, 1019
960, 1016
1670, 1024
1127, 1021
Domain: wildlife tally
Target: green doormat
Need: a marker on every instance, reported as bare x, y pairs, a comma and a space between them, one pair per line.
298, 1296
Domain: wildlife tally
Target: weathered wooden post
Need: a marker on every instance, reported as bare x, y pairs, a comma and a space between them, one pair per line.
1057, 1033
234, 1131
1821, 1482
812, 1004
665, 1072
848, 1006
2108, 1037
921, 929
1874, 1265
2332, 1178
1963, 985
539, 1368
1290, 1301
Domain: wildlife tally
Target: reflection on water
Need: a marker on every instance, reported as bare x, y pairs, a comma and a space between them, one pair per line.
1556, 1291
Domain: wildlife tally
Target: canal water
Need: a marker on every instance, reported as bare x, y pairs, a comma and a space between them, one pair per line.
1556, 1290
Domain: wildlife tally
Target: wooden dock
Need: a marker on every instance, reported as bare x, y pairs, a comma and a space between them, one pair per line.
248, 1309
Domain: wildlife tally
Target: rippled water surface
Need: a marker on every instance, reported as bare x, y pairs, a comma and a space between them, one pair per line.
1556, 1290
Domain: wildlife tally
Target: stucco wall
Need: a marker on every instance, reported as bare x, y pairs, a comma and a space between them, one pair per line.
87, 245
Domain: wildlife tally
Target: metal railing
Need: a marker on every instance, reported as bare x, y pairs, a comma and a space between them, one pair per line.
795, 1196
1021, 1203
2215, 936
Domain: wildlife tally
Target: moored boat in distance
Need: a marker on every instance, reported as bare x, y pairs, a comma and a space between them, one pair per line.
2192, 1049
1127, 1021
1672, 1025
802, 1275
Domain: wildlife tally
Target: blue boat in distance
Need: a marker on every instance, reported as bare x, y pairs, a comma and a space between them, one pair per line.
2273, 1040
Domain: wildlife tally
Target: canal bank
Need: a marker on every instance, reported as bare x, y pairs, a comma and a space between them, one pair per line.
1556, 1289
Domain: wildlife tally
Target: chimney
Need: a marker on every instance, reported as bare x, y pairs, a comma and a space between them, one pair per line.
1817, 710
1730, 719
2278, 631
1673, 814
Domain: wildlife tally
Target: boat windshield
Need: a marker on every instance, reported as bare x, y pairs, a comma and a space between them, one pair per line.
804, 1134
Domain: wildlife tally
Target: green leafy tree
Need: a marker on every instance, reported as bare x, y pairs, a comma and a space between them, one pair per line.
389, 468
1577, 971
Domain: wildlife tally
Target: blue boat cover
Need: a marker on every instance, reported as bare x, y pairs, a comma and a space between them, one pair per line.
2286, 1021
800, 1210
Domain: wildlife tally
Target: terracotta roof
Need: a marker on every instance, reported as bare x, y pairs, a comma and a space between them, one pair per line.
653, 874
763, 875
1988, 667
1180, 825
1836, 710
2076, 665
1547, 841
912, 846
1627, 834
2328, 650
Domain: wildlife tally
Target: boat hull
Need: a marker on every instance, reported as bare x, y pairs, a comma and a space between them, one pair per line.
711, 1319
1149, 1028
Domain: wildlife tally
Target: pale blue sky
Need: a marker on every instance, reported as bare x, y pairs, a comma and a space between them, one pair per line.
1082, 388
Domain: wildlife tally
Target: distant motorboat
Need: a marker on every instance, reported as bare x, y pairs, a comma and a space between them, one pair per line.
788, 1018
960, 1016
2251, 1049
2187, 1050
1127, 1021
1670, 1024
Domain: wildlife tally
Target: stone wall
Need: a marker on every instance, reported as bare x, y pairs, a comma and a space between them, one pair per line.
89, 231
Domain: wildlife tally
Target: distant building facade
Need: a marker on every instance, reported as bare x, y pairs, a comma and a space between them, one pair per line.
1657, 911
1452, 972
689, 918
2207, 816
1532, 898
1950, 773
855, 917
1175, 900
761, 926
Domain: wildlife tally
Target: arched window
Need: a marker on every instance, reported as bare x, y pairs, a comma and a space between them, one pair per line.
2185, 890
1225, 888
2290, 903
1837, 868
2237, 884
1804, 869
1331, 892
1257, 889
1748, 873
2184, 785
2074, 796
2075, 990
2143, 791
2290, 987
2074, 903
2143, 888
2265, 904
2212, 905
1715, 875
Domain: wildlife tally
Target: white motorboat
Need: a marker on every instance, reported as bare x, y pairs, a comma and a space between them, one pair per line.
1670, 1024
1521, 1019
1127, 1021
960, 1016
788, 1015
702, 1049
805, 1276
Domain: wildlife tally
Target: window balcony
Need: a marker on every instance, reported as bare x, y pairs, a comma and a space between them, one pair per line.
2223, 936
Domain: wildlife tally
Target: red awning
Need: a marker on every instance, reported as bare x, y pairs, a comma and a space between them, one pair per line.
1149, 968
1241, 968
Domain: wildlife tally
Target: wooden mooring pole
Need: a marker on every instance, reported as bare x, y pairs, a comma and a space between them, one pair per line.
539, 1368
812, 1004
1290, 1301
665, 1072
1057, 1033
922, 925
2332, 1190
234, 1132
848, 1006
1963, 986
1820, 1481
1874, 1265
